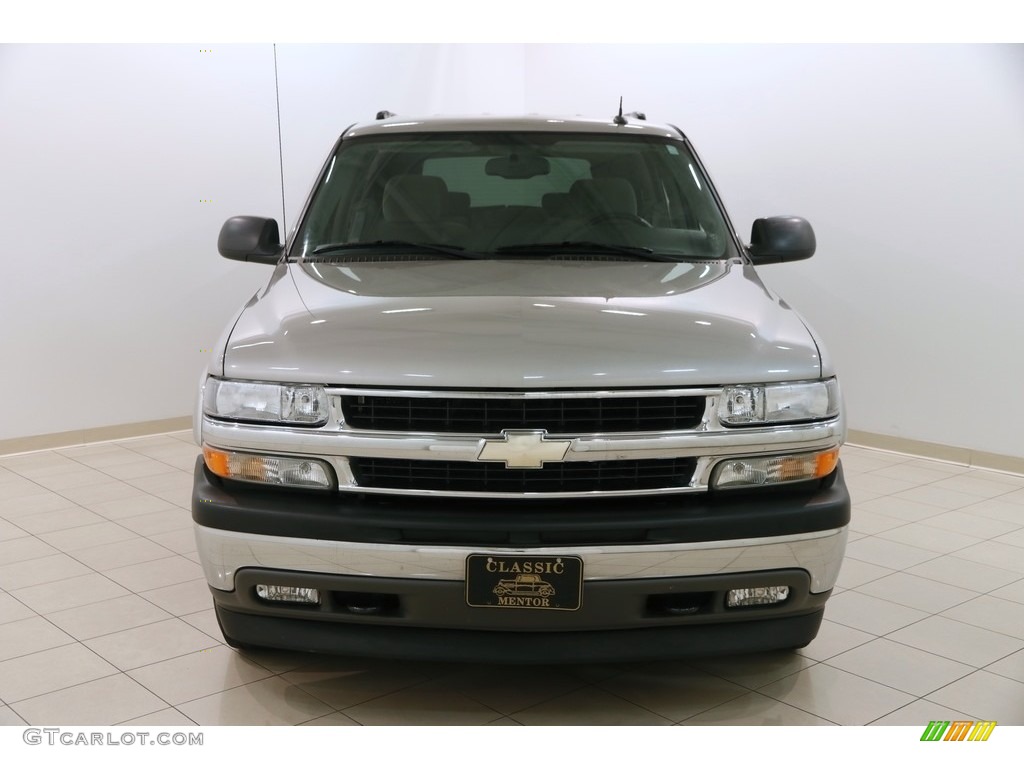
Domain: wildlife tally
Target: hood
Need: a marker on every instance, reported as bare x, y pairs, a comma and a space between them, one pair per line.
520, 324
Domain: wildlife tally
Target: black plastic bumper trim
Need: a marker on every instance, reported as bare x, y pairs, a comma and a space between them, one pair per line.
606, 604
519, 522
457, 645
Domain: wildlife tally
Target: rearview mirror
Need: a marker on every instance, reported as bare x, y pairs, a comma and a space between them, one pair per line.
250, 238
517, 166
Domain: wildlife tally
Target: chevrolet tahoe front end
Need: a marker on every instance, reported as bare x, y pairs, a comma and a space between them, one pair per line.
518, 352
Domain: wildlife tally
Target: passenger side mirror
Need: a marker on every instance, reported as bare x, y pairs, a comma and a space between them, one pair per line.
780, 239
250, 238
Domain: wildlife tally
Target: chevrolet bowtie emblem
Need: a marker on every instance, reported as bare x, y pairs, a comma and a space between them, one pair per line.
524, 449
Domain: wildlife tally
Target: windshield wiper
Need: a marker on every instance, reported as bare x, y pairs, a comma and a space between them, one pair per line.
454, 251
582, 247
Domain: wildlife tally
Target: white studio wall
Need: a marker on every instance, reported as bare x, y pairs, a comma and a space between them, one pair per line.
120, 163
909, 163
117, 162
326, 88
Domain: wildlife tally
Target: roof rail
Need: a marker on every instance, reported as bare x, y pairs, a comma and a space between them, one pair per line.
384, 114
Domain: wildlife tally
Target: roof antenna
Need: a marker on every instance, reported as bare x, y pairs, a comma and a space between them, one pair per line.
619, 119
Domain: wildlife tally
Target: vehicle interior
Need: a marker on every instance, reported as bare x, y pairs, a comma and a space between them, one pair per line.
493, 193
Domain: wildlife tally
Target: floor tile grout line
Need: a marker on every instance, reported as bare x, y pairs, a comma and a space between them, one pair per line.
72, 641
151, 602
73, 527
84, 640
111, 441
115, 673
938, 705
270, 675
924, 521
81, 506
872, 635
409, 687
912, 607
27, 607
61, 492
94, 572
955, 476
335, 712
907, 572
910, 693
27, 533
127, 480
169, 706
937, 555
981, 539
141, 666
599, 685
930, 612
603, 690
917, 700
185, 716
1000, 674
976, 626
915, 457
582, 684
887, 636
1010, 489
824, 663
731, 699
794, 706
814, 663
103, 573
391, 693
71, 555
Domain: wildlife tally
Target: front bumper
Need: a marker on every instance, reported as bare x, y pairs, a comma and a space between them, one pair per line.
405, 561
225, 553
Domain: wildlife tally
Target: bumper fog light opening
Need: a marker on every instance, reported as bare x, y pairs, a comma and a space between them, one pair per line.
742, 598
276, 593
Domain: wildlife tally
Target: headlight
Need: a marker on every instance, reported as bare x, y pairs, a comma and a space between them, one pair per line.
271, 403
779, 403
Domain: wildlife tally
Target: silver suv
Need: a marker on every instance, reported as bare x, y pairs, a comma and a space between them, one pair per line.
518, 351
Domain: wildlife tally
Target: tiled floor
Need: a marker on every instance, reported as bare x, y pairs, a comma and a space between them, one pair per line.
105, 619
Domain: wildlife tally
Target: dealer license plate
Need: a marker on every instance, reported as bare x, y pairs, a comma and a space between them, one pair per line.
546, 582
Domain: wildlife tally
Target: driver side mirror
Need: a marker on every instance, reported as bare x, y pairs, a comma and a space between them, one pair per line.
780, 239
250, 238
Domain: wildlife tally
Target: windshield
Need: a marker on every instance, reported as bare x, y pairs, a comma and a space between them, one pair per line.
509, 195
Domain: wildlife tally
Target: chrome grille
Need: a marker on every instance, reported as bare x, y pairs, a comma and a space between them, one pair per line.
486, 415
554, 477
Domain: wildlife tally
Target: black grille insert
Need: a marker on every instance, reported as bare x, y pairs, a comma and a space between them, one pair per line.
491, 477
492, 415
